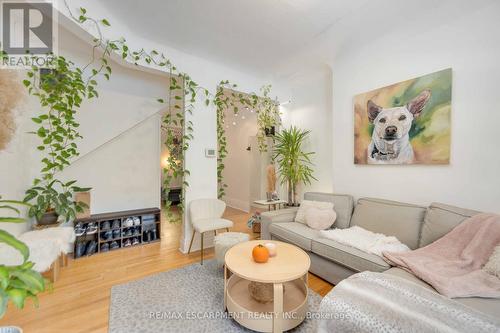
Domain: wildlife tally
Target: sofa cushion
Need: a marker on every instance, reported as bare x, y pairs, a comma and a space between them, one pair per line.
441, 219
390, 218
348, 256
305, 205
293, 232
343, 206
489, 306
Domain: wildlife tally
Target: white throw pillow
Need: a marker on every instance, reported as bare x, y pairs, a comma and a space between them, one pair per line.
306, 204
320, 219
493, 264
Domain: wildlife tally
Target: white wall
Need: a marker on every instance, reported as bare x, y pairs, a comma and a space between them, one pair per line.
238, 173
310, 109
457, 36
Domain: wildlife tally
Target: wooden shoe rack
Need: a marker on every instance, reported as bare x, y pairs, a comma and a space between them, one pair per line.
100, 219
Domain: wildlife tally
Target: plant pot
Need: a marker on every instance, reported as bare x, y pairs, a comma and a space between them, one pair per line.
10, 329
270, 131
47, 218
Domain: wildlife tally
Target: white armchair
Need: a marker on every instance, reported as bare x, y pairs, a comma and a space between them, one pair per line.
206, 215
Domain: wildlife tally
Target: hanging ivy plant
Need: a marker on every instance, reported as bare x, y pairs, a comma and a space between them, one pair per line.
268, 116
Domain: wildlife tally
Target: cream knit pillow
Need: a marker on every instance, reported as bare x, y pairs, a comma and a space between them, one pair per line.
320, 219
306, 204
493, 264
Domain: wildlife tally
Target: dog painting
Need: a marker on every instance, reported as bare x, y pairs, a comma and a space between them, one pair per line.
405, 123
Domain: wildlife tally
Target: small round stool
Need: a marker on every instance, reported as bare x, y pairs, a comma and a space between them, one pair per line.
225, 241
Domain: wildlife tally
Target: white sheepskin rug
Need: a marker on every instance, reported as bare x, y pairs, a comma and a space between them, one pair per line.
365, 240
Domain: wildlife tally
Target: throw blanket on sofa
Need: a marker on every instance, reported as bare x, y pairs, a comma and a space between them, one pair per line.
377, 302
452, 264
365, 240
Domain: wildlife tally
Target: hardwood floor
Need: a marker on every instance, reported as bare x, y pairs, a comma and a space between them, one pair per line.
79, 301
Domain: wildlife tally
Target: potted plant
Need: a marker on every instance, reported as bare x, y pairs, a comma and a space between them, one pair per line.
19, 282
294, 165
54, 199
268, 117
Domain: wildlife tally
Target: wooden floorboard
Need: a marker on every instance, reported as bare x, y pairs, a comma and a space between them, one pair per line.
79, 301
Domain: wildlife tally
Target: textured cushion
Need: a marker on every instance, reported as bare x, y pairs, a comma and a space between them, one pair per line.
390, 218
305, 205
320, 219
226, 240
489, 306
294, 232
348, 256
440, 219
493, 264
204, 225
343, 203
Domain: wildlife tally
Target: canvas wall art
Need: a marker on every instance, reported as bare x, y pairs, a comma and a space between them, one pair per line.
405, 123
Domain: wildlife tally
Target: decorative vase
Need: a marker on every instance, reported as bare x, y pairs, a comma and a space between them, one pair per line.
48, 218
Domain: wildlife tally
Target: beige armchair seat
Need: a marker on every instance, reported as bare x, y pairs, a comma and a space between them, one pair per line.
206, 216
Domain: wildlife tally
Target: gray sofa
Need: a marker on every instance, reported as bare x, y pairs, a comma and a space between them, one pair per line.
414, 225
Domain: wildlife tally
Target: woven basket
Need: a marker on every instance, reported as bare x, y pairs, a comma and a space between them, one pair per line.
256, 227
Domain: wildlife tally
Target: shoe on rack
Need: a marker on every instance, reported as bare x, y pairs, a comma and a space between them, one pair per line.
114, 245
137, 221
80, 249
104, 247
108, 235
116, 224
91, 228
128, 232
137, 231
153, 236
116, 233
105, 225
135, 241
129, 222
91, 248
79, 229
148, 235
127, 243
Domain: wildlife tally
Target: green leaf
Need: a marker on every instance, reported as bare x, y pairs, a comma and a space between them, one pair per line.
105, 22
32, 279
17, 296
81, 189
12, 220
12, 241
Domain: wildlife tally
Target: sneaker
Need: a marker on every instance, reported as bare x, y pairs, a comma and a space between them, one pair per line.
105, 225
80, 249
127, 243
91, 248
79, 229
153, 236
128, 232
137, 221
104, 247
114, 245
135, 241
137, 231
129, 222
108, 235
116, 233
91, 228
116, 224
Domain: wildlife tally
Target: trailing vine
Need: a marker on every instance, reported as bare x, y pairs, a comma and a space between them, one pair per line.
267, 116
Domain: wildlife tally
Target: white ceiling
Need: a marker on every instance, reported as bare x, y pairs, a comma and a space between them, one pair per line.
254, 35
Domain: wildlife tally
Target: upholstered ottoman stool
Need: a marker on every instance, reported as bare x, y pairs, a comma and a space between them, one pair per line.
225, 241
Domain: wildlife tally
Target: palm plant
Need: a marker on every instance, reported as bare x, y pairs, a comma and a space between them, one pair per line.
294, 165
17, 282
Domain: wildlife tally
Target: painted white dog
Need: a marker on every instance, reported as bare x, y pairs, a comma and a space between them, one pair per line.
390, 139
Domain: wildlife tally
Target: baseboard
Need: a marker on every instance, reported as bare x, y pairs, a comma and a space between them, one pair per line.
238, 204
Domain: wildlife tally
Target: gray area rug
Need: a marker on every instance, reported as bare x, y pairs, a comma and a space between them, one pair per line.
188, 299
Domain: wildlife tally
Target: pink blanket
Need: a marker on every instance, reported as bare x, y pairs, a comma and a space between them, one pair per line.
452, 264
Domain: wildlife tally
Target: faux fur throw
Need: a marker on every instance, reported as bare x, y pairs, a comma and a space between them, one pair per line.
365, 240
376, 302
452, 264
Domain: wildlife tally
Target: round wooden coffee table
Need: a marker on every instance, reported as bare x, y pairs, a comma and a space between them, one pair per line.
287, 271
